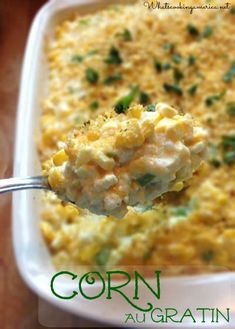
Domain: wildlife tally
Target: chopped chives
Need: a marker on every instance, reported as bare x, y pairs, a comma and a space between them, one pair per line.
144, 98
77, 59
208, 256
124, 102
168, 46
185, 210
84, 21
192, 90
191, 60
211, 100
176, 58
92, 52
207, 32
178, 75
230, 74
173, 89
94, 105
145, 180
229, 157
192, 30
113, 78
113, 57
125, 35
92, 76
166, 66
231, 108
157, 65
151, 108
228, 141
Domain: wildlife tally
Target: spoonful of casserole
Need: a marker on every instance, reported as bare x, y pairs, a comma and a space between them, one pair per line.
127, 159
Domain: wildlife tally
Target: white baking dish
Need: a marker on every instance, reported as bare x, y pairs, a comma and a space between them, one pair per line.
33, 259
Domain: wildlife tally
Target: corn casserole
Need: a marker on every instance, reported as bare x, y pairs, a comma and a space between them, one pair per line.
188, 61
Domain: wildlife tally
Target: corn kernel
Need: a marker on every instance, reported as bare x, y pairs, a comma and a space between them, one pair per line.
47, 231
147, 128
178, 187
55, 179
59, 158
93, 135
135, 112
131, 135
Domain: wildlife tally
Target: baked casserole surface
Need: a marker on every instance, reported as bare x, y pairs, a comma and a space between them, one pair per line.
187, 61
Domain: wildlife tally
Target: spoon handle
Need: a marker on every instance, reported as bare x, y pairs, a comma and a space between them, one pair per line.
15, 184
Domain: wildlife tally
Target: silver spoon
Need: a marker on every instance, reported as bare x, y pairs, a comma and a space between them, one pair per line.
16, 184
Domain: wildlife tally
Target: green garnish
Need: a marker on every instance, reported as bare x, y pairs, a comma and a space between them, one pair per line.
191, 60
76, 59
124, 103
208, 255
125, 35
144, 98
143, 209
79, 58
192, 30
94, 105
181, 212
207, 32
173, 89
113, 78
230, 74
229, 157
102, 256
92, 76
166, 66
113, 57
178, 75
176, 58
92, 52
215, 163
147, 255
211, 100
157, 65
229, 142
213, 158
168, 46
184, 211
192, 90
84, 21
151, 108
145, 180
231, 108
